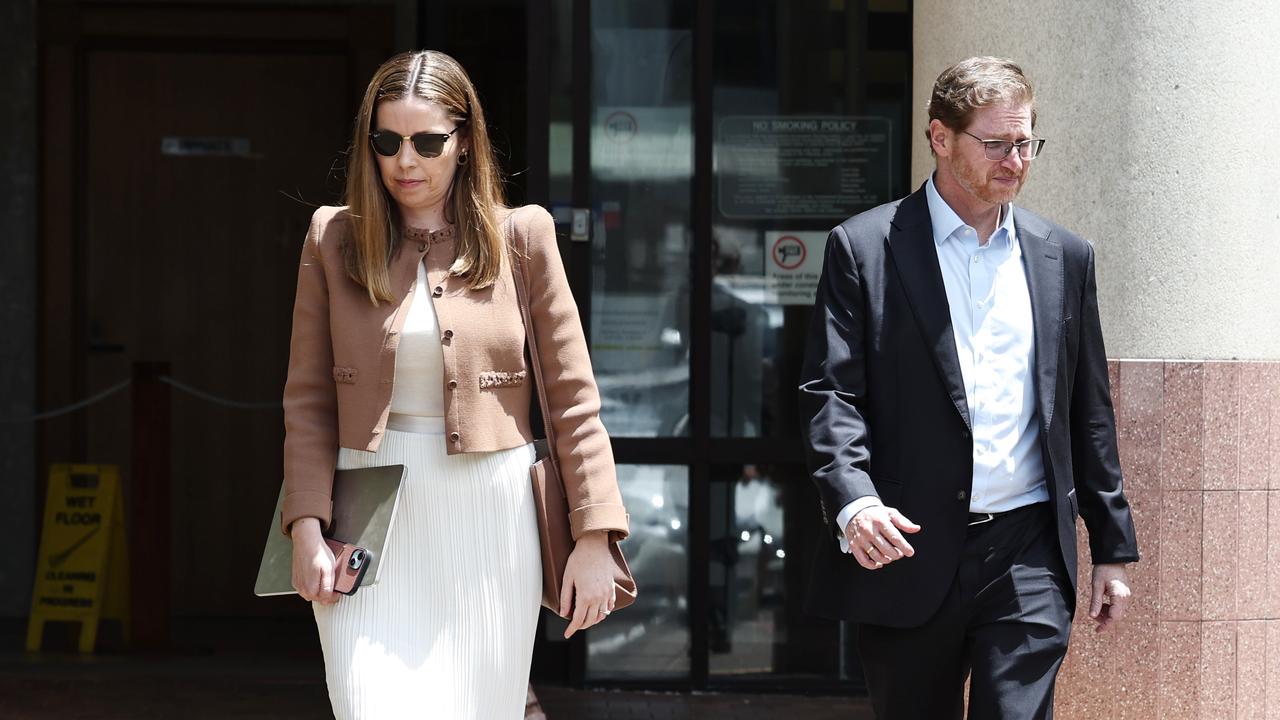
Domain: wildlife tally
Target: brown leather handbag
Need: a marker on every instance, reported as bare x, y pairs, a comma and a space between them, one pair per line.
548, 486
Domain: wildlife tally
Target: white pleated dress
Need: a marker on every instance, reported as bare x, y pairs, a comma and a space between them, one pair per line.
448, 630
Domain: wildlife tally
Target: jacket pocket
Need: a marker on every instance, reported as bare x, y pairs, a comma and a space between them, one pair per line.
345, 375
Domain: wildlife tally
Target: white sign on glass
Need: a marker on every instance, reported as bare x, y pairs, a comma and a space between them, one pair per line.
793, 264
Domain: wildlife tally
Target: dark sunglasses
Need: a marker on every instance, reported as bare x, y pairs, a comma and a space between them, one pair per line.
428, 145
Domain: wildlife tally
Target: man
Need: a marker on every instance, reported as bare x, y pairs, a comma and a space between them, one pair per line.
960, 419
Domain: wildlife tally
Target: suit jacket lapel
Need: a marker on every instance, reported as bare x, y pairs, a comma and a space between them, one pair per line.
1042, 260
914, 256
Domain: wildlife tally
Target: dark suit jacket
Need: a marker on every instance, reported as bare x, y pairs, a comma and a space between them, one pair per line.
884, 398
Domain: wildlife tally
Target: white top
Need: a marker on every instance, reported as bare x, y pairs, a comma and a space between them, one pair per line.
419, 380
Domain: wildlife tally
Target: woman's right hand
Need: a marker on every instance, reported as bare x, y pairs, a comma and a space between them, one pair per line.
313, 562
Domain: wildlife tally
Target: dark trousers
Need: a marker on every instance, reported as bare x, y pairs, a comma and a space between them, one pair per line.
1005, 622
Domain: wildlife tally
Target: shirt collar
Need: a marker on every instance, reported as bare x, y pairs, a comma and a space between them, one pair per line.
946, 222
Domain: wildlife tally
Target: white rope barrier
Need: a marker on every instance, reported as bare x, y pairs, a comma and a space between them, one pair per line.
103, 395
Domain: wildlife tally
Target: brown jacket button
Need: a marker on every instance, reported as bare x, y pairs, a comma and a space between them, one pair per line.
454, 436
437, 292
453, 384
448, 334
422, 247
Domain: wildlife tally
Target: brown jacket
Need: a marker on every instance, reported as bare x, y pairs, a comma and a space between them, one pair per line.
342, 361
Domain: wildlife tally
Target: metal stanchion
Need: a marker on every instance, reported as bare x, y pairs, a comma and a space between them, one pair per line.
149, 507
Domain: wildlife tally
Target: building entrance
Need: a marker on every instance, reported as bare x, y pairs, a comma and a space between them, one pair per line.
695, 154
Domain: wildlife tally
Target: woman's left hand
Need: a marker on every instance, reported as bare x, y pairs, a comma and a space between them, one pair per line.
588, 582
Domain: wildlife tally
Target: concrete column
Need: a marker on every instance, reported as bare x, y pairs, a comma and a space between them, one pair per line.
17, 300
1160, 119
1162, 150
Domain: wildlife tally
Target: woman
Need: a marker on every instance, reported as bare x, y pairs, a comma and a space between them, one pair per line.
408, 348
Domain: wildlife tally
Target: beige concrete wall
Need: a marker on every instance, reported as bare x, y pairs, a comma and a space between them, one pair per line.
1161, 118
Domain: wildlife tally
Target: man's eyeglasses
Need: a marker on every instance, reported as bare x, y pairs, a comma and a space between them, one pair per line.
428, 145
1000, 149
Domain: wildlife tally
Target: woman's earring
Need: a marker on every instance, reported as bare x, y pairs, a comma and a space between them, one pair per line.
462, 158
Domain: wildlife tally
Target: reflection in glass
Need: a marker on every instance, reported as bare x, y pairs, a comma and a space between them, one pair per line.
808, 130
560, 107
641, 168
650, 638
764, 524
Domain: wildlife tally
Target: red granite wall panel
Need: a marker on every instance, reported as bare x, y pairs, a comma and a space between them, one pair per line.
1200, 449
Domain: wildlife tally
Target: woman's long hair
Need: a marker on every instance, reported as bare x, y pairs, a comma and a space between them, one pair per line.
476, 191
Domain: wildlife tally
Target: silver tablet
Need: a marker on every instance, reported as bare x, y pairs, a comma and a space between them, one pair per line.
364, 509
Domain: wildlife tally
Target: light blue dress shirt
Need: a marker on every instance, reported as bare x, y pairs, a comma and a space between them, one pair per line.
991, 321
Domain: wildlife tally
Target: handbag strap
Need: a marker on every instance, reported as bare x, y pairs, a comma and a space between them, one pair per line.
521, 277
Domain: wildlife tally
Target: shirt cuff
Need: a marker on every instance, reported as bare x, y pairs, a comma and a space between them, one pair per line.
848, 512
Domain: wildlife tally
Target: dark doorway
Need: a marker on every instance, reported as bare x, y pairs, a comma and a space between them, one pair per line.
184, 149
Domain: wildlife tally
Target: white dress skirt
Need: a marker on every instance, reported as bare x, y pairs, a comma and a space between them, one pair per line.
448, 630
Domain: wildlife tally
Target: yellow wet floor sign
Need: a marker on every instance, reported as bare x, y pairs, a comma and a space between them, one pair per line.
82, 573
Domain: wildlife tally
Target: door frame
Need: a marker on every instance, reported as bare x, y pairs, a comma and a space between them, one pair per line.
700, 451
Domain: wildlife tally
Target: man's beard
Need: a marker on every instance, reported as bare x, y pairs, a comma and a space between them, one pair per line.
983, 186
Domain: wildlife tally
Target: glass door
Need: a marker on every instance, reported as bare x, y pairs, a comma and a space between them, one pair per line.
640, 150
697, 153
809, 101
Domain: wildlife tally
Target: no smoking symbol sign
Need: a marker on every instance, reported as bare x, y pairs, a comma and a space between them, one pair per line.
789, 252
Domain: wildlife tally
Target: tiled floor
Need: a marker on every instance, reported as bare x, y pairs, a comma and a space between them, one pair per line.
191, 688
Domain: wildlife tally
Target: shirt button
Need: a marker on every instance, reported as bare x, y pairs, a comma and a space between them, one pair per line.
960, 495
454, 436
453, 384
422, 247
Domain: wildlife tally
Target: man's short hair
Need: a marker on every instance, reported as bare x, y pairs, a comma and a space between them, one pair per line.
974, 83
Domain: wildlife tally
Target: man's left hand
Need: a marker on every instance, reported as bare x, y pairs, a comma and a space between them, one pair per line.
1110, 595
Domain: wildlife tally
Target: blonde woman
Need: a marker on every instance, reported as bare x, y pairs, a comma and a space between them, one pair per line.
408, 348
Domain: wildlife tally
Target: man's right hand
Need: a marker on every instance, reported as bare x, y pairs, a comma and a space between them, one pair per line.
875, 536
313, 562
